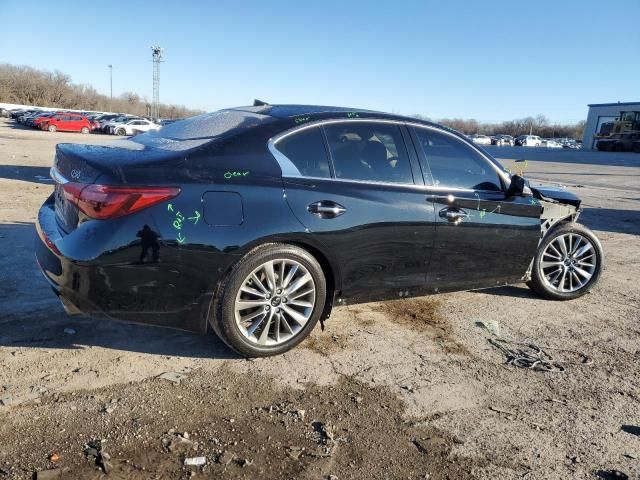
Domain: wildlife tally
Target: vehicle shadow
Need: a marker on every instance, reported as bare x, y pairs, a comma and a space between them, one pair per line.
611, 220
26, 173
31, 315
513, 291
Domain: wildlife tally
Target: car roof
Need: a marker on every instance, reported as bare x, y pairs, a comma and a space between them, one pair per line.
320, 112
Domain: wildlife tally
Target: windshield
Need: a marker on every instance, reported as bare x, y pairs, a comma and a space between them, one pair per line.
196, 131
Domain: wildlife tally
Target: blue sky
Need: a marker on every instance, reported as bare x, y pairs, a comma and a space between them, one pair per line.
489, 60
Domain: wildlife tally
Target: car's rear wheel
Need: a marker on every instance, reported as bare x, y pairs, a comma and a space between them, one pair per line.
270, 301
85, 130
568, 263
52, 128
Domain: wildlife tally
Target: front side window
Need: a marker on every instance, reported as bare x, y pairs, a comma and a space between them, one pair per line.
307, 152
368, 151
454, 164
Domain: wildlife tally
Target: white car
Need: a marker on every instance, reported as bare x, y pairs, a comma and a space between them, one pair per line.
481, 139
133, 127
529, 141
549, 143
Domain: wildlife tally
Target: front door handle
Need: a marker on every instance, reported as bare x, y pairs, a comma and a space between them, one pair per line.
326, 209
452, 214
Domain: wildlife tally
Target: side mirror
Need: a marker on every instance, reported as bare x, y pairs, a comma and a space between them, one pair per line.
516, 187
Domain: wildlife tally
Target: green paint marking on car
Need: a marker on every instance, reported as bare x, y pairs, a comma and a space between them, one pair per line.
231, 174
195, 218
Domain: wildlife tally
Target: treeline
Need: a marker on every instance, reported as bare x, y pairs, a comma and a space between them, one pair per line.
25, 85
539, 125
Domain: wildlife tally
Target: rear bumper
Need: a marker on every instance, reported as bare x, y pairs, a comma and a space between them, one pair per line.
116, 283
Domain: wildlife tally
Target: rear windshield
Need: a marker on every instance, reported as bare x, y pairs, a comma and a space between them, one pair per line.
196, 131
211, 125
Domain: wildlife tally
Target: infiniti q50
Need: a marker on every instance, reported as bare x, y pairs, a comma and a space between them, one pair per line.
256, 221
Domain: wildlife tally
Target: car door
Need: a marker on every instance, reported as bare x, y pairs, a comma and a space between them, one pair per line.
482, 237
359, 191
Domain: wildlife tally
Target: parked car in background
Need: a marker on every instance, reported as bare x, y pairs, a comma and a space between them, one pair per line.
480, 139
166, 121
528, 141
135, 126
549, 143
35, 122
67, 122
502, 140
107, 127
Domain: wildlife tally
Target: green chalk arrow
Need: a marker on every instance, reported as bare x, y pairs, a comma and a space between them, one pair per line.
170, 207
196, 217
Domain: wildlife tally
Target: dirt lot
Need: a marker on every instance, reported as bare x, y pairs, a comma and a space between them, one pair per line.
407, 389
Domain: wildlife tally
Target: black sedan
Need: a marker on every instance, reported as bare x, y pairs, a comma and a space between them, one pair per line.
257, 221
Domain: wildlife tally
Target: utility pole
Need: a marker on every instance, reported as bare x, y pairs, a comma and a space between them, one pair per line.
111, 80
156, 53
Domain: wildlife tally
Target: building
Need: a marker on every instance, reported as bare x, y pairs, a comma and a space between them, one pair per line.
600, 113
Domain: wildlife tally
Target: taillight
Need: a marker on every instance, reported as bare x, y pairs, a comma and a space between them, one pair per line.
109, 201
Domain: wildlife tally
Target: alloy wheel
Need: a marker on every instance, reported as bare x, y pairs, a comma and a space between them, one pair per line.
568, 263
275, 302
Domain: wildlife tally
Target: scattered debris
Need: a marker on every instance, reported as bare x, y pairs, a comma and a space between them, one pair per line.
505, 412
54, 458
48, 474
95, 450
173, 377
325, 432
492, 326
69, 331
195, 461
226, 458
531, 356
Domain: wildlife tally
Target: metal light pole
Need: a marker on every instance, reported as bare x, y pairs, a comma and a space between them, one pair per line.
111, 80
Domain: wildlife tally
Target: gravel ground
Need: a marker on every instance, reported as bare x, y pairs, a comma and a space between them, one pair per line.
404, 389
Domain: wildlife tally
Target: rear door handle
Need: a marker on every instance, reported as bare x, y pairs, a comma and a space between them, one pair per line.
453, 214
326, 209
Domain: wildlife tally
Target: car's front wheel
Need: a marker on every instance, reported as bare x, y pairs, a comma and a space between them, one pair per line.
52, 128
270, 301
568, 263
120, 132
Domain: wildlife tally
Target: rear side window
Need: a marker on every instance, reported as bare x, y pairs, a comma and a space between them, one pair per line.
369, 151
454, 164
307, 152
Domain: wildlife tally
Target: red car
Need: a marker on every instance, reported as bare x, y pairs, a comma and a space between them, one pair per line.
67, 122
37, 122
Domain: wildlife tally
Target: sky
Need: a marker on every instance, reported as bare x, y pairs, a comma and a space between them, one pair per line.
488, 60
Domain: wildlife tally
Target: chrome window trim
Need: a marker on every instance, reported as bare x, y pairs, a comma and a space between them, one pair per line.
57, 176
289, 170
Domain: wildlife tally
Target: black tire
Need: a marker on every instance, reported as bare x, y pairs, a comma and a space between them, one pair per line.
120, 132
84, 130
52, 128
222, 317
538, 283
